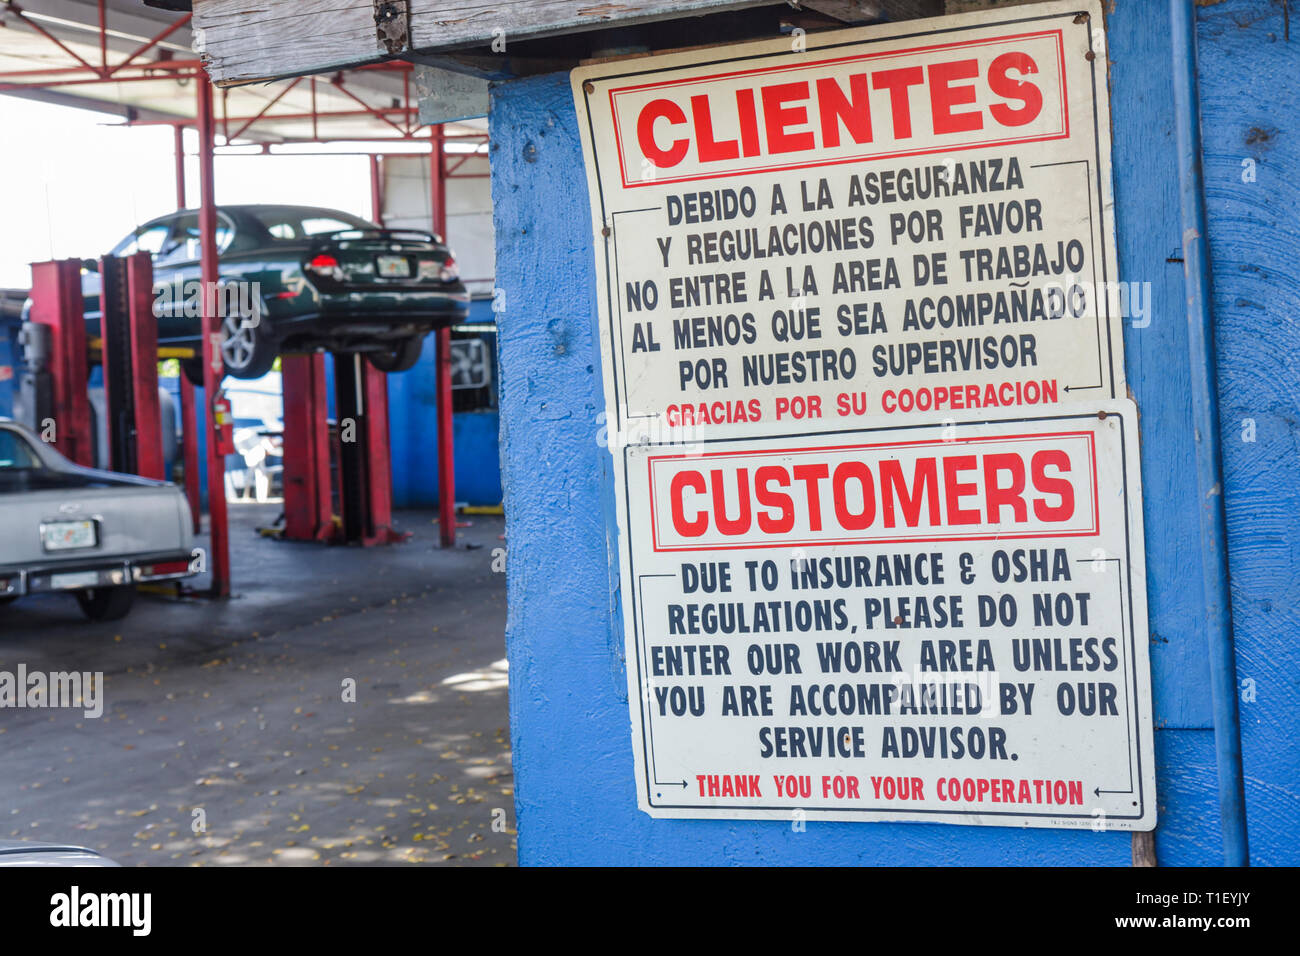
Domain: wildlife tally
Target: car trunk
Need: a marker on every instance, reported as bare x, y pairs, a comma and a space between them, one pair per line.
129, 518
379, 259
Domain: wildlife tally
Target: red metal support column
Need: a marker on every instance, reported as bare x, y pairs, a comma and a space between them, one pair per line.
446, 433
144, 368
189, 416
213, 368
376, 190
378, 456
308, 511
56, 302
178, 150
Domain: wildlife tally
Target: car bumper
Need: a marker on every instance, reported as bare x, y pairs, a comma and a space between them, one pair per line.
74, 575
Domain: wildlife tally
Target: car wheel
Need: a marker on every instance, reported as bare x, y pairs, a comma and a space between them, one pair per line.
106, 604
247, 352
399, 359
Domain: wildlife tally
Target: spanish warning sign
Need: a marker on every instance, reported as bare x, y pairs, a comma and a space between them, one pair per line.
906, 218
878, 500
940, 622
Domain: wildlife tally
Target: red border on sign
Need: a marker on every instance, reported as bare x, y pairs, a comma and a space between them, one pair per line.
859, 157
824, 542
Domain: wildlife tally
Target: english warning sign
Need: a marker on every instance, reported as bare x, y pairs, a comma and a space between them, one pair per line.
940, 622
906, 218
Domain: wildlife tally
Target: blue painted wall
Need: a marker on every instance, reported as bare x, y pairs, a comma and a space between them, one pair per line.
575, 794
413, 427
1250, 105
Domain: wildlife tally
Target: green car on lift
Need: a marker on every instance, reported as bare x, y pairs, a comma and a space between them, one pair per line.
295, 279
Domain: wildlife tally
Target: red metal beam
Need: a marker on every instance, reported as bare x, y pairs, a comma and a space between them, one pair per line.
279, 96
337, 82
178, 149
406, 101
53, 39
153, 66
376, 190
189, 417
332, 114
446, 431
103, 39
213, 370
18, 87
152, 43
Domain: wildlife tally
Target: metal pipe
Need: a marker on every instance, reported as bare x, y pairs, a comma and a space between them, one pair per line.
213, 370
1205, 422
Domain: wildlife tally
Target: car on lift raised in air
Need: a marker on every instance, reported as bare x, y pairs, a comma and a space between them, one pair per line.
94, 534
296, 279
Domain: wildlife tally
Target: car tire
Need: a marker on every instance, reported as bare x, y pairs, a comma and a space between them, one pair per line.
247, 350
106, 604
249, 354
400, 359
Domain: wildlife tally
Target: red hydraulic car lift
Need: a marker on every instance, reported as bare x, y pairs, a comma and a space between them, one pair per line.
308, 507
57, 304
129, 355
361, 448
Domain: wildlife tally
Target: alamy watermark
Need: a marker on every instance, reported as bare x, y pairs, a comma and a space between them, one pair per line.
64, 689
193, 298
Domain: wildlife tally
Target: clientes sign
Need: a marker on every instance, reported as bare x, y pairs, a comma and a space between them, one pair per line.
827, 109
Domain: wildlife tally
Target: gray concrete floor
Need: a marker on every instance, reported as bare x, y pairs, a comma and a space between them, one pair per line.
231, 714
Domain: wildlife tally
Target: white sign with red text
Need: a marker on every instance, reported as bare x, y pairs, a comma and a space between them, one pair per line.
879, 521
941, 622
914, 217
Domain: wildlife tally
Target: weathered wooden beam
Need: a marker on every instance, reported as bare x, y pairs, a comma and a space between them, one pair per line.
250, 41
872, 11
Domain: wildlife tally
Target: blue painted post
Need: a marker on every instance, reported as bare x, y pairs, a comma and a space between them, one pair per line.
569, 714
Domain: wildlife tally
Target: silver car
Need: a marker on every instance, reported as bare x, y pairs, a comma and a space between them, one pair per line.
16, 853
94, 534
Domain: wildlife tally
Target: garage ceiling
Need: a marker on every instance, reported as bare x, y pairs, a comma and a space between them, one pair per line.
55, 51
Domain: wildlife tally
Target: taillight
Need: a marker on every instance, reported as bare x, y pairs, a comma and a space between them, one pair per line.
164, 569
449, 271
326, 265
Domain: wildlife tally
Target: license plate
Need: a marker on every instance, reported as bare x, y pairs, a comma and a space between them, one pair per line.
68, 535
79, 579
394, 267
